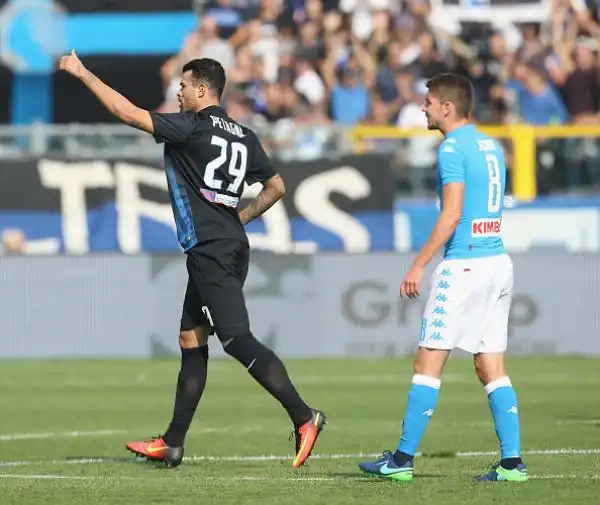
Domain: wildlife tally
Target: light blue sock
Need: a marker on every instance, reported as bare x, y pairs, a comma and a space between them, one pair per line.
503, 404
421, 403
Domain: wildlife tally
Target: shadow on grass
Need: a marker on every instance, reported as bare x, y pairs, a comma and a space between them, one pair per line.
372, 478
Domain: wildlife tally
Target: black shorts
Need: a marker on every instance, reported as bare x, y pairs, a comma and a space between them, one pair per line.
217, 271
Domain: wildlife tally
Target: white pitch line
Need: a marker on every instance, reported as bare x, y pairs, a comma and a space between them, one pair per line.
232, 478
543, 452
44, 476
593, 422
67, 434
104, 433
236, 478
274, 457
560, 476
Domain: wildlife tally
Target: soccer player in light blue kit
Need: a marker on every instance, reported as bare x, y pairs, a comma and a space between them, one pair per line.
471, 289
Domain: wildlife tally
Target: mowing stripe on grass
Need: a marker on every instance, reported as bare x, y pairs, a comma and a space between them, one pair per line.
243, 429
123, 477
67, 434
235, 478
105, 433
273, 457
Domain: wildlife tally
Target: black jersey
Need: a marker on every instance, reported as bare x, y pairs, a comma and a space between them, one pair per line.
208, 158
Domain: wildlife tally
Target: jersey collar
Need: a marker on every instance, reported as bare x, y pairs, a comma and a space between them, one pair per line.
456, 131
213, 108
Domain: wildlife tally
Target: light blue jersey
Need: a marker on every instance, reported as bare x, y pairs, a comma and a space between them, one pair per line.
473, 158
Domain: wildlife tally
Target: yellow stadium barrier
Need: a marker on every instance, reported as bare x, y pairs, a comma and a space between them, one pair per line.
523, 137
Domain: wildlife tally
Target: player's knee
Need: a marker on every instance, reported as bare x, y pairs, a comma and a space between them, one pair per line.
430, 362
489, 367
194, 337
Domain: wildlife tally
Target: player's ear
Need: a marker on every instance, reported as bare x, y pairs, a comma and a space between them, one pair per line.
447, 108
201, 90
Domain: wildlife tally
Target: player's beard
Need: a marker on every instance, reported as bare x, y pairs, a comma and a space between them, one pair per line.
431, 125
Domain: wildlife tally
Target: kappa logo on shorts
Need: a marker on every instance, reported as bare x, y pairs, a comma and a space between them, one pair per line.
446, 272
440, 310
443, 284
441, 298
438, 323
437, 336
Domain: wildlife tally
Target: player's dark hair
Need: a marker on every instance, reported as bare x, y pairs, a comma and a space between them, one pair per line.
208, 72
454, 88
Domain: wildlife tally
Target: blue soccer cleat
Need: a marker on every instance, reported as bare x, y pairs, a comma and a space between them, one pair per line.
499, 474
387, 468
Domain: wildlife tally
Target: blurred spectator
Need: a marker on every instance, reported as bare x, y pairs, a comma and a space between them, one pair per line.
309, 83
13, 241
304, 66
228, 14
581, 88
429, 61
420, 153
537, 100
204, 42
349, 72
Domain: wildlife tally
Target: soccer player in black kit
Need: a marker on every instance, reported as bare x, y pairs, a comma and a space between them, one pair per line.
208, 158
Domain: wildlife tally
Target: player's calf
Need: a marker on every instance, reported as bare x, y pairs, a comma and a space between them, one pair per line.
269, 371
420, 406
191, 382
503, 403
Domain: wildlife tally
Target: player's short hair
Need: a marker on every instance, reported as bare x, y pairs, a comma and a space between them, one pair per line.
208, 72
454, 88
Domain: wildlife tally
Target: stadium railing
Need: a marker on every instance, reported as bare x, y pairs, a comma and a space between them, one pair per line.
525, 141
528, 147
113, 141
76, 141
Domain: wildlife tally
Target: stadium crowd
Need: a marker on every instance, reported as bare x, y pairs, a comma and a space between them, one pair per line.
299, 68
365, 61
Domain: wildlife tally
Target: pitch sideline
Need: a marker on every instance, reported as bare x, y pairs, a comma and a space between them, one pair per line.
273, 457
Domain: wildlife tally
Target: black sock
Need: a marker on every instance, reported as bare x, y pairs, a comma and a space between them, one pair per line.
268, 370
510, 463
400, 458
190, 386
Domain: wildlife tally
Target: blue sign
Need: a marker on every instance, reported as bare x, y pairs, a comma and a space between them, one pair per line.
33, 33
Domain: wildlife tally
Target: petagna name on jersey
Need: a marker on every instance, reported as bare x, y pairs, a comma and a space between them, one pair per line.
487, 227
234, 129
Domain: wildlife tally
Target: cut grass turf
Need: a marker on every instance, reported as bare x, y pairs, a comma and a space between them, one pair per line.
64, 424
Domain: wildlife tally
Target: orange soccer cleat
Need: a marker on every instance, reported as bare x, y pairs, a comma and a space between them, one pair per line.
306, 437
154, 448
157, 450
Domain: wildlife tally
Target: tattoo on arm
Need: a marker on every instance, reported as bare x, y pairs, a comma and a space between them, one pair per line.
267, 197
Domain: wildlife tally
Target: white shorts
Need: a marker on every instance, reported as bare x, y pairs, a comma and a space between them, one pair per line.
468, 305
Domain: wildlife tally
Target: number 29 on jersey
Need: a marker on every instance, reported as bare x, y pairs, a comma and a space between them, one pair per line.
232, 154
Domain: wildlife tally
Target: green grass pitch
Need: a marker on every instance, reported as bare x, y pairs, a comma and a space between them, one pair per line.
64, 424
